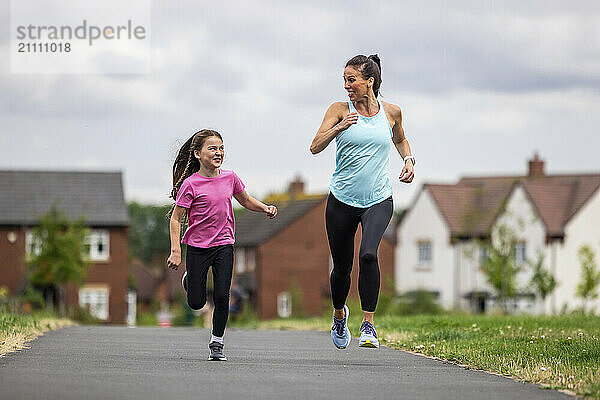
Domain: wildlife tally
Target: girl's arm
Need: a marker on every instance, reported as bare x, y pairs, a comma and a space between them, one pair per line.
174, 259
252, 204
333, 124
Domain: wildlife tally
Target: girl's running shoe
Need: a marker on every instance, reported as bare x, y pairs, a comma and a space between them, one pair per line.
216, 352
340, 334
368, 336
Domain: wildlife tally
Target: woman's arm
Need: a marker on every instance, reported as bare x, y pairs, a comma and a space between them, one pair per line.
333, 124
174, 259
401, 144
252, 204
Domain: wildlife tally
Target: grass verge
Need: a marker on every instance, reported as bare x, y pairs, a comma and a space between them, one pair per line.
16, 329
560, 352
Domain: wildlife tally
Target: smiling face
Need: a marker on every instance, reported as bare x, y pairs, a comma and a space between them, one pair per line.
356, 86
212, 153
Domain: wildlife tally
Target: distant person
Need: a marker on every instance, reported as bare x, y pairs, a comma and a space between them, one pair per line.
202, 193
236, 301
360, 190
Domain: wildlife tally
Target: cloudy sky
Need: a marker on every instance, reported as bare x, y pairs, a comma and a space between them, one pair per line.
482, 85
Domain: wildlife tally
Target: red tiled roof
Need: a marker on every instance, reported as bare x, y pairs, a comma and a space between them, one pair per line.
471, 206
557, 198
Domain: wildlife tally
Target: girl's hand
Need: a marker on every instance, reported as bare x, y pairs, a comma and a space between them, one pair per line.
408, 172
349, 119
271, 211
174, 260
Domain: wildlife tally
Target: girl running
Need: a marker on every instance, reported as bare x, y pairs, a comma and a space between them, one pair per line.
360, 189
202, 192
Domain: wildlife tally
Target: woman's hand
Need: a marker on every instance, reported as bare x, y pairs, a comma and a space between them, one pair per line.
174, 260
408, 172
271, 211
349, 120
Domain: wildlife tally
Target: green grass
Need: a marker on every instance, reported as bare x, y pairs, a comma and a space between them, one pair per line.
17, 329
561, 352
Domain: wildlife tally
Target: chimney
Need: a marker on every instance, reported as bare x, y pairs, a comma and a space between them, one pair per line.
296, 188
536, 167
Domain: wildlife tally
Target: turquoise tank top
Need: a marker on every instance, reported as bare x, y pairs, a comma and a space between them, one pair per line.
362, 153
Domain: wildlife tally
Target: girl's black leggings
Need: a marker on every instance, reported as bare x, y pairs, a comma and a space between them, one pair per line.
198, 260
342, 221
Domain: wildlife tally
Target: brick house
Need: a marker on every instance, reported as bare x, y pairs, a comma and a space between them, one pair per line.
441, 239
98, 197
275, 258
149, 288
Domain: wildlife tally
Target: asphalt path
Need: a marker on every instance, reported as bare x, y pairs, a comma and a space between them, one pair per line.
99, 362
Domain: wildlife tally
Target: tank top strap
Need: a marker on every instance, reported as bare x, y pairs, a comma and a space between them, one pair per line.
351, 107
385, 118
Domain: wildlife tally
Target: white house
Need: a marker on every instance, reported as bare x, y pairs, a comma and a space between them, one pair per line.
439, 240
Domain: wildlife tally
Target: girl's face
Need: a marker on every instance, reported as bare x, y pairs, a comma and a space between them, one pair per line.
212, 153
355, 85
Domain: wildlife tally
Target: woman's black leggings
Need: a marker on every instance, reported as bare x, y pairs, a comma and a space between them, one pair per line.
198, 260
342, 221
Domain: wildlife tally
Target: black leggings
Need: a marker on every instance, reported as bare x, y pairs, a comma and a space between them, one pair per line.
198, 260
342, 221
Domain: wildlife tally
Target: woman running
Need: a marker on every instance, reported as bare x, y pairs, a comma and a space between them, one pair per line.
202, 193
360, 189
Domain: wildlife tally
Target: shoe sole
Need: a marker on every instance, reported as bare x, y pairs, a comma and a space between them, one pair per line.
368, 344
211, 358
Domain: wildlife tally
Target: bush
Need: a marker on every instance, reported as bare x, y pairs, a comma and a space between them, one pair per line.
247, 318
183, 315
34, 297
83, 316
418, 302
146, 319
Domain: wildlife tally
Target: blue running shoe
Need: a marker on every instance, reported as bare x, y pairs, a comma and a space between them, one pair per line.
340, 334
368, 336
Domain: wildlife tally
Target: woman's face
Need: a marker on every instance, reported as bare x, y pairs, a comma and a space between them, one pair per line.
355, 85
212, 153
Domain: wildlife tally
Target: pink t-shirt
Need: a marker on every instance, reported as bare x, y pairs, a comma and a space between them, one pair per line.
209, 208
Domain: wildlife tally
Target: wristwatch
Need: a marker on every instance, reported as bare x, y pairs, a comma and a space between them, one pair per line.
410, 158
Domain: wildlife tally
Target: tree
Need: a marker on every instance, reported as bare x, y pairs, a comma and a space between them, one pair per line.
590, 276
58, 256
500, 267
149, 233
542, 281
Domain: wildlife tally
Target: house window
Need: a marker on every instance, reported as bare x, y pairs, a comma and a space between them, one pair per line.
33, 245
240, 259
484, 254
284, 304
425, 255
95, 299
520, 252
98, 244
